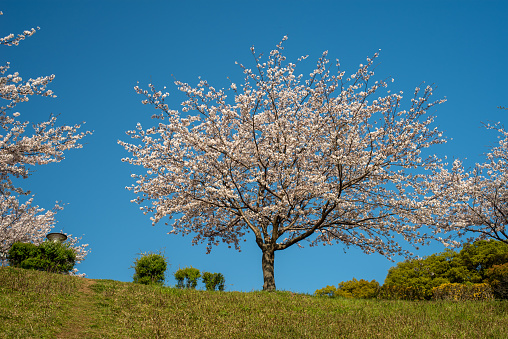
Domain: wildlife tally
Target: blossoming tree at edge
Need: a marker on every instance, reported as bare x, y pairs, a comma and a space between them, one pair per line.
20, 149
475, 202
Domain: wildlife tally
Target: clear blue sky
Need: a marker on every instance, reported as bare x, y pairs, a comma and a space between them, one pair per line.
98, 50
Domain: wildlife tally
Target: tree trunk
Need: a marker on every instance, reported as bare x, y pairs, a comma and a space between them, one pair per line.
268, 265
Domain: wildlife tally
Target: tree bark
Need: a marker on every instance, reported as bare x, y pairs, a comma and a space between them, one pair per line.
267, 262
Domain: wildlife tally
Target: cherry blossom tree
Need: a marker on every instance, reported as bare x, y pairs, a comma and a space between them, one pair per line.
22, 147
18, 149
286, 158
475, 202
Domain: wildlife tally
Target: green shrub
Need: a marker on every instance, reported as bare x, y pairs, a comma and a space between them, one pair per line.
20, 252
150, 268
360, 289
213, 281
328, 291
187, 277
463, 292
49, 256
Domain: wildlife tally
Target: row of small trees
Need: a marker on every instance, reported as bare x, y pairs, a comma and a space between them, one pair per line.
188, 277
478, 271
150, 269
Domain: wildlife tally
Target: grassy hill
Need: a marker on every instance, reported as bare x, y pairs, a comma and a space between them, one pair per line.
42, 305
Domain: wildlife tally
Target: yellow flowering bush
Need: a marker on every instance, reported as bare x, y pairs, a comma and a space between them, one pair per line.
463, 292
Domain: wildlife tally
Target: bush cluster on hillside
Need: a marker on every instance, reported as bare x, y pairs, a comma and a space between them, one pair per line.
150, 269
478, 271
188, 278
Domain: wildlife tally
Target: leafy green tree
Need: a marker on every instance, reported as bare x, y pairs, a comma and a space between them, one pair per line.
497, 277
422, 274
481, 255
187, 277
49, 256
213, 281
150, 269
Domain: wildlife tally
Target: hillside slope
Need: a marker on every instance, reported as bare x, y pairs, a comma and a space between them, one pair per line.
42, 305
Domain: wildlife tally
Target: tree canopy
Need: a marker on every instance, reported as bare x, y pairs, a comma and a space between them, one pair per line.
323, 158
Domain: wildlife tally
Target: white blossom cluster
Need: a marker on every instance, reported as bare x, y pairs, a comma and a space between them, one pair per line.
475, 202
288, 157
12, 40
21, 147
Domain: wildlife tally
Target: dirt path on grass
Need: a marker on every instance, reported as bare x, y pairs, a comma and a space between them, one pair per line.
80, 318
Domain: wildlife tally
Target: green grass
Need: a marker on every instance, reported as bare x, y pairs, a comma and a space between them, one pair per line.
44, 305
